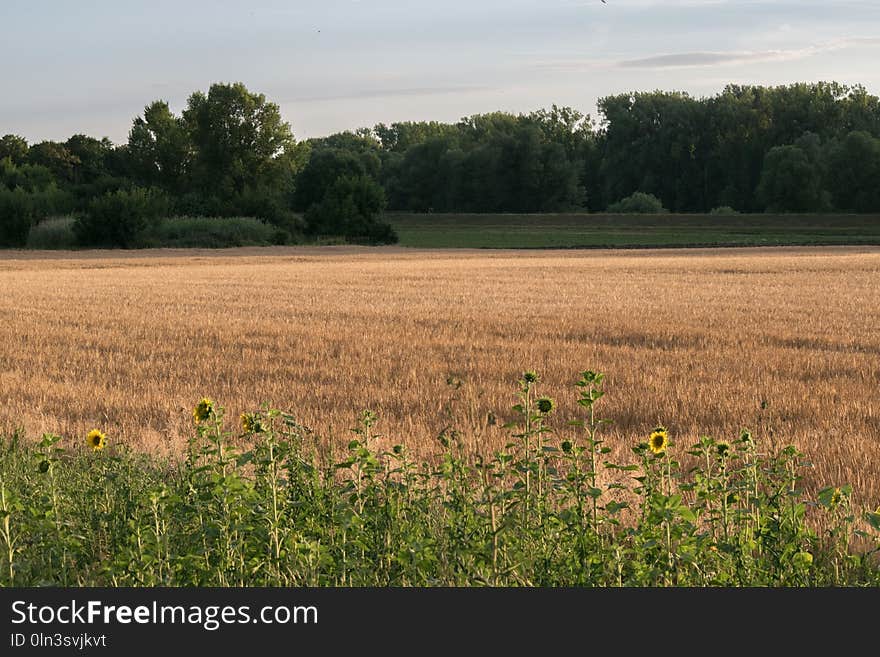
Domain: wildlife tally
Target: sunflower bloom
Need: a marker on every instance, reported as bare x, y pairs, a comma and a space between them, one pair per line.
203, 410
545, 405
250, 423
659, 440
96, 440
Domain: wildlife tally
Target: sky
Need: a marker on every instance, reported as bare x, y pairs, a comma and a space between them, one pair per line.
91, 66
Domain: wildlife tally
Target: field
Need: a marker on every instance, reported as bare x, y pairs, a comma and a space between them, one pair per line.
782, 341
521, 231
471, 472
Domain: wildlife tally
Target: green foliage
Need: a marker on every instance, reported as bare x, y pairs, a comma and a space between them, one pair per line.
638, 203
236, 136
723, 210
490, 163
211, 232
119, 218
52, 233
159, 150
17, 214
57, 158
13, 147
256, 504
791, 181
854, 172
27, 177
351, 207
805, 148
324, 168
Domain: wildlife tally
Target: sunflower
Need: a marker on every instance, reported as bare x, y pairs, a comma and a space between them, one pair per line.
545, 405
96, 440
530, 377
250, 423
203, 410
723, 448
659, 440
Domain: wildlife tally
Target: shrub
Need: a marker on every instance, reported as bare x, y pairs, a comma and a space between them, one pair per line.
17, 214
119, 218
723, 210
351, 208
52, 233
210, 232
638, 203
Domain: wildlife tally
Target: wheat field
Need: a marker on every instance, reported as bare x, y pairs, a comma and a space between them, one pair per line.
785, 341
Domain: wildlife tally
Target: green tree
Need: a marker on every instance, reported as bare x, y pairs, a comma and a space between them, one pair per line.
324, 168
90, 156
17, 215
351, 208
13, 147
119, 218
237, 136
791, 182
57, 158
160, 149
853, 172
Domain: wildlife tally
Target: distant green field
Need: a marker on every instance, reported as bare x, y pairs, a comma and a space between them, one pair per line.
521, 231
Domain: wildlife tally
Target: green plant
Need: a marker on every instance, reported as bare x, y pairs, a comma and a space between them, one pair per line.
260, 504
638, 203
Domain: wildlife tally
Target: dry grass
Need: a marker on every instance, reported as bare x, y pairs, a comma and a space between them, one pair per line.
693, 339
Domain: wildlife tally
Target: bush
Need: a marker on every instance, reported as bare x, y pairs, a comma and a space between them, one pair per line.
723, 210
17, 214
119, 218
52, 233
351, 208
638, 203
211, 233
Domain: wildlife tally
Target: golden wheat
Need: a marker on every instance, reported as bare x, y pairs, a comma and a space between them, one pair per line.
695, 340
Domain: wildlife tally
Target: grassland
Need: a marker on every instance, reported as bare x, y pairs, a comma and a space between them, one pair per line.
521, 231
782, 341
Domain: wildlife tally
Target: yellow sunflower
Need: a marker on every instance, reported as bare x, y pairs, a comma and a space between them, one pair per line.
203, 410
96, 440
250, 423
659, 440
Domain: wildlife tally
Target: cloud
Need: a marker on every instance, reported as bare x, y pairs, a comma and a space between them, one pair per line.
690, 59
698, 59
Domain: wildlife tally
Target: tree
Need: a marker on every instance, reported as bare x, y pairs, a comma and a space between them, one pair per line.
854, 173
159, 148
17, 215
89, 156
350, 208
27, 177
324, 168
13, 147
236, 136
790, 182
118, 218
55, 157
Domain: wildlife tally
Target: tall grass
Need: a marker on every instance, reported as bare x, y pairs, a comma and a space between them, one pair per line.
52, 233
213, 232
258, 504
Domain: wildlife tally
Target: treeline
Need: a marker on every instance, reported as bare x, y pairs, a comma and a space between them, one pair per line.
797, 148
